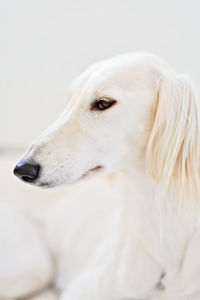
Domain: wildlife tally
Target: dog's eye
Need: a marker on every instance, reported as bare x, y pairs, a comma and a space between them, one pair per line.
103, 104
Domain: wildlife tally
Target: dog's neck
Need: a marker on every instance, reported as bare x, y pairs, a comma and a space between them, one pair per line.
138, 188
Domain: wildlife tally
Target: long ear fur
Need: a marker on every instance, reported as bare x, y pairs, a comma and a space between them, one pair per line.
173, 150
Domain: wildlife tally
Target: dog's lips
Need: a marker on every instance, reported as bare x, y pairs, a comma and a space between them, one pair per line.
91, 171
48, 185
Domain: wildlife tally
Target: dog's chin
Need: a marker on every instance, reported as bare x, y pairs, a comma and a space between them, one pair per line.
90, 173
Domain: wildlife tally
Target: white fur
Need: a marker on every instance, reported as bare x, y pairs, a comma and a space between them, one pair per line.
133, 231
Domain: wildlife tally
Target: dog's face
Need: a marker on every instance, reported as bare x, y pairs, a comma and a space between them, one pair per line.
96, 132
107, 122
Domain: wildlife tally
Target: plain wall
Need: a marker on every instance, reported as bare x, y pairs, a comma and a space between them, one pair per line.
44, 44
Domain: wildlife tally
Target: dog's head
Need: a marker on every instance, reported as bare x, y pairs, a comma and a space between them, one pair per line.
129, 110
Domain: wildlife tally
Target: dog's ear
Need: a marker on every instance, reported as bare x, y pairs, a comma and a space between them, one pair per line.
173, 145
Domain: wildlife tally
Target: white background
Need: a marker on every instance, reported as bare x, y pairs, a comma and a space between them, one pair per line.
44, 44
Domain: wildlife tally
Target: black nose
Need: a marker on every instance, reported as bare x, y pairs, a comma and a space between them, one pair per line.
27, 172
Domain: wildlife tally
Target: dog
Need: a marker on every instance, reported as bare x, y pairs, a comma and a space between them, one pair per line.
128, 145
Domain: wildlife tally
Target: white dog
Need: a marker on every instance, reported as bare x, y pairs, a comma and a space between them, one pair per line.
133, 231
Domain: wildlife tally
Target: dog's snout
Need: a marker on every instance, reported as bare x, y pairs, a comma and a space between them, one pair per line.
27, 172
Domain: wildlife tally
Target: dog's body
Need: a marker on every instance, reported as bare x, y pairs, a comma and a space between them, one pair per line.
132, 250
132, 233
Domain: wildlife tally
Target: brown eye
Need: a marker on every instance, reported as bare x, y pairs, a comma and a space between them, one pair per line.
102, 104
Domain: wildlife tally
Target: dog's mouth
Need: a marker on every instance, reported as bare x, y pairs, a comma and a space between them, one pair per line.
93, 171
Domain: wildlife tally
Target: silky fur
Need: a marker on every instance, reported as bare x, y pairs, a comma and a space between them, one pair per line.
132, 231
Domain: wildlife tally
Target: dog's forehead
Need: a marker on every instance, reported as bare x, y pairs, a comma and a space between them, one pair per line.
102, 75
115, 70
111, 76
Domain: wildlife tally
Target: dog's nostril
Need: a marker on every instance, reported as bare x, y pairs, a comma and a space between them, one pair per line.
27, 172
27, 178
